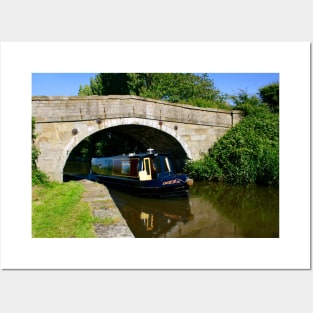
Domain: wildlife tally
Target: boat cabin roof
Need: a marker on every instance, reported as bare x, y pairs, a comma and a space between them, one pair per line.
149, 153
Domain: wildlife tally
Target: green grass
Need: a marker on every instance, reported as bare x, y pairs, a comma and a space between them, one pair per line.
57, 212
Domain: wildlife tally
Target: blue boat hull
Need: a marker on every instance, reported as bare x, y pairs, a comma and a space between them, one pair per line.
175, 186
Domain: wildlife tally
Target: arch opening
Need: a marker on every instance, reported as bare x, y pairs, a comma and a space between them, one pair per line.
122, 139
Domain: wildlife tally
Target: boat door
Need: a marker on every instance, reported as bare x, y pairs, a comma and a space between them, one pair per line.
145, 173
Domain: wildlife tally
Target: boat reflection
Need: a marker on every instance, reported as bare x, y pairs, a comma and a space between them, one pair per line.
148, 218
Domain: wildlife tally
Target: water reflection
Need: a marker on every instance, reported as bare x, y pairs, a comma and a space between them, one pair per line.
148, 217
212, 210
253, 210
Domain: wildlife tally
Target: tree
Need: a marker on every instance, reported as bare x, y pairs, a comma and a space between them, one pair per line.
242, 98
85, 91
270, 96
107, 84
195, 89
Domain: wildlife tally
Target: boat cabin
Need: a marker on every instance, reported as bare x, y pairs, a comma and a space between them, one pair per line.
149, 174
143, 166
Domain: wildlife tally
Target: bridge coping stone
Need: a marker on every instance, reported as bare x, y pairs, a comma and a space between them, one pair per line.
125, 97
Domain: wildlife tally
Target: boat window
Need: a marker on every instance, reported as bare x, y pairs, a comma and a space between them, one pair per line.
125, 167
167, 167
157, 165
147, 166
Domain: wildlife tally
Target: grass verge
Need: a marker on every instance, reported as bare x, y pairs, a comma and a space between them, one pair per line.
57, 212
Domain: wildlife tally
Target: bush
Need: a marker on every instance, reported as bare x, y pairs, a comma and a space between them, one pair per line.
39, 177
270, 95
204, 169
247, 154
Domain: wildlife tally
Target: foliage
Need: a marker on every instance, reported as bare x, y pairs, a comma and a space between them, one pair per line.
204, 169
270, 95
85, 91
38, 177
267, 95
58, 212
194, 89
242, 98
35, 151
247, 154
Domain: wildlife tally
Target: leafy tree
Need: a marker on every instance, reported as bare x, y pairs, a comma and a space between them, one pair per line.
270, 95
242, 98
195, 89
180, 87
85, 91
107, 84
112, 84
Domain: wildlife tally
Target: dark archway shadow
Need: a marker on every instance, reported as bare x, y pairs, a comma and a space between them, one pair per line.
119, 140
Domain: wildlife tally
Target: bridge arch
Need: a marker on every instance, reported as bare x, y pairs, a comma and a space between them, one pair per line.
148, 133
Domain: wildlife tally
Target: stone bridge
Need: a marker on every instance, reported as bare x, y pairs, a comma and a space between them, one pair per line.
183, 130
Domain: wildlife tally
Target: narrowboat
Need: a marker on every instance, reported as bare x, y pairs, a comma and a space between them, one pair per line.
145, 174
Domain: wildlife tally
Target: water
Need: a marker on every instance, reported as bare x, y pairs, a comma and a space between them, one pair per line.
212, 210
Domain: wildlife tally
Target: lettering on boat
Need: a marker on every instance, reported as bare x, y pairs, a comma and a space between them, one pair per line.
169, 182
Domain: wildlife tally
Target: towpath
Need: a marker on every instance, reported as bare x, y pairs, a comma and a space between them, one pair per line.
102, 205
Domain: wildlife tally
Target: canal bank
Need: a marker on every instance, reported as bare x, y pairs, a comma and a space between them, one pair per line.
103, 207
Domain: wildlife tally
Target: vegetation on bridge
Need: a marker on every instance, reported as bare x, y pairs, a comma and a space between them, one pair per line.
249, 152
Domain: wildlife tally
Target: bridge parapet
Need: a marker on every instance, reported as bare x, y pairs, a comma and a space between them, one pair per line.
88, 108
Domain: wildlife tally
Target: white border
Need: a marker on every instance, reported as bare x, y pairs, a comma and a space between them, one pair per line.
290, 251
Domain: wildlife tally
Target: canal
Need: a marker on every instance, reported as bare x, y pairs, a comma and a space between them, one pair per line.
211, 210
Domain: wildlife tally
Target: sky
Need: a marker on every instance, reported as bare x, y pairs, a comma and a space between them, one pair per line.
67, 84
